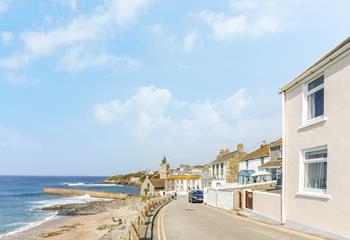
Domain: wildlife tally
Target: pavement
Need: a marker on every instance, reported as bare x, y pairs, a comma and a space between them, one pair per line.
180, 220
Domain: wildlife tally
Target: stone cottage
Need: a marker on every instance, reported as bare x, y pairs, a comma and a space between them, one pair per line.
152, 186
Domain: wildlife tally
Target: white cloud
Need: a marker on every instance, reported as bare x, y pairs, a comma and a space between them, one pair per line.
152, 109
101, 25
127, 10
190, 40
146, 109
166, 39
186, 131
251, 18
7, 38
81, 57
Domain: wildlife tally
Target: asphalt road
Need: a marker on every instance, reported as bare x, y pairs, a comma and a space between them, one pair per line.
181, 220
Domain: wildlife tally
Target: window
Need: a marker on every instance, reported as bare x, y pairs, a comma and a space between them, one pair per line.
315, 98
222, 170
262, 160
315, 170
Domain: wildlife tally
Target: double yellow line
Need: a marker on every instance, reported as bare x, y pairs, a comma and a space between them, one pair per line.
160, 224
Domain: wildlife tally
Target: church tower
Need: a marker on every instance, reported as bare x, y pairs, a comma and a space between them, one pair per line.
164, 168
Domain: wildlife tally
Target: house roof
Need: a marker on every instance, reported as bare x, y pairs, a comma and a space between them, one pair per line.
331, 55
263, 151
183, 177
276, 143
246, 173
157, 183
224, 158
272, 164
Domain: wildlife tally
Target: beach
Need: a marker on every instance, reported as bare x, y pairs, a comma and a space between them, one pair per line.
86, 221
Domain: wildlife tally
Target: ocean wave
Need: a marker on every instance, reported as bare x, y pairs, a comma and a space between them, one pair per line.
66, 200
74, 184
90, 184
27, 226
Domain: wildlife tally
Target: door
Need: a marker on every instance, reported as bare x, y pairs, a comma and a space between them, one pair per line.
240, 199
249, 200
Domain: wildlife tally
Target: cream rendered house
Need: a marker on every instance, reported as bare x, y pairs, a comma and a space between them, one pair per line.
316, 143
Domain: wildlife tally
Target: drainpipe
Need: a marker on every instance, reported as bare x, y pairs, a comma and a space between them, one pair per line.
283, 206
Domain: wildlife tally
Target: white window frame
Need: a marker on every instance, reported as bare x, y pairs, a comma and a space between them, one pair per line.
302, 161
307, 93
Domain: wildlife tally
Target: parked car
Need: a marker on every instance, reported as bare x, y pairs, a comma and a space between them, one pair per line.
195, 196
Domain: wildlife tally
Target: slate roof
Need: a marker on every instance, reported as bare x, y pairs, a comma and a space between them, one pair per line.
157, 183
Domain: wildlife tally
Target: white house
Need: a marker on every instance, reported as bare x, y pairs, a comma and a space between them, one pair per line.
182, 183
274, 165
250, 164
316, 142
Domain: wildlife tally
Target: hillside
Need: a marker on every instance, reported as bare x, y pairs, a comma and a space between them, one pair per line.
131, 179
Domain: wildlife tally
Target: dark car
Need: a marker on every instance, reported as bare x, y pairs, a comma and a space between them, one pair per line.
195, 196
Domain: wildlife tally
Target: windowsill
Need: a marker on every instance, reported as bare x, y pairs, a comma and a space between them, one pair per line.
314, 195
313, 121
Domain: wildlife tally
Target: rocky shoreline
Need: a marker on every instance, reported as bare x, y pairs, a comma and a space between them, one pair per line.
90, 208
103, 220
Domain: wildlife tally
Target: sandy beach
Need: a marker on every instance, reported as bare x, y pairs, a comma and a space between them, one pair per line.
97, 224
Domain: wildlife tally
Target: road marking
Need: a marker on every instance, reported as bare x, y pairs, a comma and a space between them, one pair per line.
160, 224
278, 228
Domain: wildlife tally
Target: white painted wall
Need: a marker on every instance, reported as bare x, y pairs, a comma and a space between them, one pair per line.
210, 197
225, 199
330, 215
253, 164
267, 205
220, 198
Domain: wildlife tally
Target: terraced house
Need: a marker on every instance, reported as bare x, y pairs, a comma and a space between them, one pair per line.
182, 183
316, 117
224, 169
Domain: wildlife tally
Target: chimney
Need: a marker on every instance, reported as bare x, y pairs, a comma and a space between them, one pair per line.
240, 148
263, 145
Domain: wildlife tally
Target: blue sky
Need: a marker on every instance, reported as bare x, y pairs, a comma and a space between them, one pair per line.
105, 87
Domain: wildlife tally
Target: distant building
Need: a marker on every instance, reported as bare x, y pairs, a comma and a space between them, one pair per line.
224, 169
151, 186
274, 165
183, 183
164, 168
249, 166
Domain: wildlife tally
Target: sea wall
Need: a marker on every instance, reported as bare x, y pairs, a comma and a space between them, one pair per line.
77, 192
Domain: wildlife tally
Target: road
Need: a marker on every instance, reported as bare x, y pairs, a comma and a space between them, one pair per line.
180, 220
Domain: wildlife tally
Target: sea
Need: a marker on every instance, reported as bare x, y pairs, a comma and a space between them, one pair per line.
20, 196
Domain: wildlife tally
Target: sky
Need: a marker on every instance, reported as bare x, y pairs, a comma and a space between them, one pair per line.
93, 87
